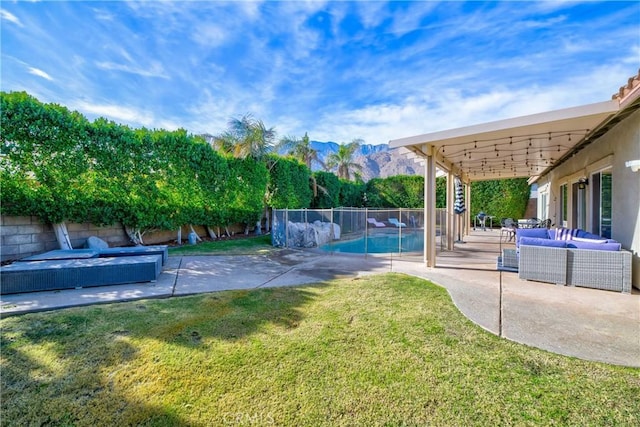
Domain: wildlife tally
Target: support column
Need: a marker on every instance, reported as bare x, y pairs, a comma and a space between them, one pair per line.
430, 209
451, 219
467, 212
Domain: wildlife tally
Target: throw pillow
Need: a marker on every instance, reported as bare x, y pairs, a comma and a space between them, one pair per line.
584, 239
566, 233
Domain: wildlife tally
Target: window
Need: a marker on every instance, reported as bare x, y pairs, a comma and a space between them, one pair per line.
601, 206
564, 204
579, 206
542, 205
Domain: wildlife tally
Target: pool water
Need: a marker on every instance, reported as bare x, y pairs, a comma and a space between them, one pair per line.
412, 241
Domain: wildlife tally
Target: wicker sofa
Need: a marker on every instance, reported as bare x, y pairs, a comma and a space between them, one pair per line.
579, 259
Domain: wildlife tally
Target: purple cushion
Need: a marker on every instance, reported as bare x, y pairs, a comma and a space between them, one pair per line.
594, 246
536, 241
586, 235
540, 233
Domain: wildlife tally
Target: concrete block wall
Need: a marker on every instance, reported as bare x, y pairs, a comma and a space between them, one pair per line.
114, 235
22, 236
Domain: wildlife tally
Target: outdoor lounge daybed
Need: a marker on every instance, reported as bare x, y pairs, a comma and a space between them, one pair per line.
56, 274
101, 253
136, 250
575, 258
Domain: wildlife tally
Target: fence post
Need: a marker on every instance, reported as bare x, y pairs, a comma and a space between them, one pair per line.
366, 234
400, 232
331, 230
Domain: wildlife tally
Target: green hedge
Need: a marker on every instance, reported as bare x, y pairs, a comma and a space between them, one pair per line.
57, 165
505, 198
289, 183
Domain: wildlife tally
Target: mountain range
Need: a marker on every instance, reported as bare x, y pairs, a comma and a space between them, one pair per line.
377, 161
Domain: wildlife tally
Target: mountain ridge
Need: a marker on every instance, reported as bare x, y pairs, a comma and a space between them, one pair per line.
377, 161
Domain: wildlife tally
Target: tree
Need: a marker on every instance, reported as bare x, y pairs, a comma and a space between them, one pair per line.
400, 191
342, 160
249, 138
302, 150
330, 197
504, 198
44, 168
246, 137
288, 183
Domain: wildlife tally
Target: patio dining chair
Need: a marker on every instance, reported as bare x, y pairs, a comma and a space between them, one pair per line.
481, 219
508, 229
545, 223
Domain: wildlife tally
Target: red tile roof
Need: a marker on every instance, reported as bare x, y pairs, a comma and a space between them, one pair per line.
629, 91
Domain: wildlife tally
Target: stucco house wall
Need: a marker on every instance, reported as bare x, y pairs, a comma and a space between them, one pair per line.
612, 150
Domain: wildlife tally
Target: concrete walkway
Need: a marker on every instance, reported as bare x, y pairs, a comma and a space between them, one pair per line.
585, 323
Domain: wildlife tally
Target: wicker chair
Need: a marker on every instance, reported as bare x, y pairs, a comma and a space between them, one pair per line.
607, 270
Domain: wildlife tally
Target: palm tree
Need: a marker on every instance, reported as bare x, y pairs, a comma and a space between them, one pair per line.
246, 137
301, 149
343, 159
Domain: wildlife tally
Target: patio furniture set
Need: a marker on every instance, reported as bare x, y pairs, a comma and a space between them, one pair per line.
78, 268
570, 257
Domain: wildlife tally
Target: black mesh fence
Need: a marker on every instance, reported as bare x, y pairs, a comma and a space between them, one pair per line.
354, 230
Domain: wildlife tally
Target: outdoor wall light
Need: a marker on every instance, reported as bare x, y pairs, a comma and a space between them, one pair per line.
633, 164
582, 183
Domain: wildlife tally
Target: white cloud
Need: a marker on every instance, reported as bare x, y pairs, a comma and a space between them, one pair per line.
451, 108
40, 73
209, 35
155, 69
373, 13
339, 70
8, 16
410, 20
103, 15
117, 113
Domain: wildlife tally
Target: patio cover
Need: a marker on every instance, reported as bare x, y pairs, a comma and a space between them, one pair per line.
526, 146
518, 147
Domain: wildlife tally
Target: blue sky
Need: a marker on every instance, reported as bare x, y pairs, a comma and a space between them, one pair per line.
337, 70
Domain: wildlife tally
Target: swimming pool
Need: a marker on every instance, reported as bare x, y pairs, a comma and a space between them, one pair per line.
412, 241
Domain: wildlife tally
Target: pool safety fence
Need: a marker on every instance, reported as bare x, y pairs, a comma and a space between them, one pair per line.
354, 230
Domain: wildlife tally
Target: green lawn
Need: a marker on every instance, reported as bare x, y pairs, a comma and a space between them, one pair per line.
382, 350
236, 246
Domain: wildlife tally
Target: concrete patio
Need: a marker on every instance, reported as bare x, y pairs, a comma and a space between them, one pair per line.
585, 323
